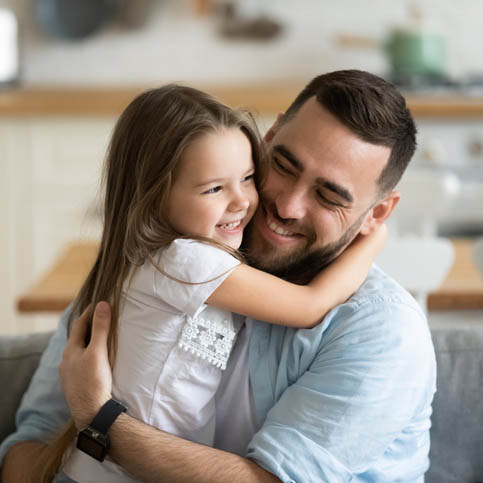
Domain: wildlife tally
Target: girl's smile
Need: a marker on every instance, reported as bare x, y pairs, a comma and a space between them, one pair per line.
214, 192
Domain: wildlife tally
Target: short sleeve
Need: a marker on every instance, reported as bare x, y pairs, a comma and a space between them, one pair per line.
194, 270
373, 373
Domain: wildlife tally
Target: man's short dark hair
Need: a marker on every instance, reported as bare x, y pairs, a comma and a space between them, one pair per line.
371, 108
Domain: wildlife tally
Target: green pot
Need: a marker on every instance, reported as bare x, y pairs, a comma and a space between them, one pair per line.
413, 53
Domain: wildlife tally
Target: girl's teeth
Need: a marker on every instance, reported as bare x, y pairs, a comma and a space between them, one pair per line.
230, 226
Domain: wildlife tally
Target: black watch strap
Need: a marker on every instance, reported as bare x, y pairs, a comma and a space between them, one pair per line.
107, 415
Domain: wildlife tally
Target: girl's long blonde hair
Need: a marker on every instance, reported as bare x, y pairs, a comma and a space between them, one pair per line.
146, 146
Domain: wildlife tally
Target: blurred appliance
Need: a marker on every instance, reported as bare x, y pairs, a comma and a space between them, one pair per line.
452, 148
9, 64
415, 51
419, 264
426, 195
74, 19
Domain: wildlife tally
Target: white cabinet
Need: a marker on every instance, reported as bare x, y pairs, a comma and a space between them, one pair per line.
50, 191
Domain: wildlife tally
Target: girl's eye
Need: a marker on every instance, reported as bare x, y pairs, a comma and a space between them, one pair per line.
213, 190
249, 177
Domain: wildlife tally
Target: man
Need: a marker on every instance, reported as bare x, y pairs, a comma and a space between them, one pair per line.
348, 400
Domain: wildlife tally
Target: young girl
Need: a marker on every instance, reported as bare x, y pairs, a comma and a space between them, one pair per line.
180, 188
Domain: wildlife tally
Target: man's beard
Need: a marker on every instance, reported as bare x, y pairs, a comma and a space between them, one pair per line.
304, 263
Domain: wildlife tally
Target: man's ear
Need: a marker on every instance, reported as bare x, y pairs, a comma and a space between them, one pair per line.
275, 126
380, 212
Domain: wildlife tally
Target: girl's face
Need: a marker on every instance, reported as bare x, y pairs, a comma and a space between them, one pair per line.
214, 193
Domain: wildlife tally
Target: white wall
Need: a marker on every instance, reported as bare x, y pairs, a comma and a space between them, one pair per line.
176, 44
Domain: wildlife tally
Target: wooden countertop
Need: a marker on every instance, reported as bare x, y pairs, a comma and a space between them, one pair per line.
268, 99
462, 289
56, 289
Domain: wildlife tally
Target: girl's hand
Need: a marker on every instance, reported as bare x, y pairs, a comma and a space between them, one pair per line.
377, 238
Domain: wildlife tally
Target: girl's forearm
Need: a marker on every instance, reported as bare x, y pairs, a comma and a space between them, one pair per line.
262, 296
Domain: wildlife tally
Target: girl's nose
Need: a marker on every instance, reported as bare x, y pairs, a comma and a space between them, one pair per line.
239, 202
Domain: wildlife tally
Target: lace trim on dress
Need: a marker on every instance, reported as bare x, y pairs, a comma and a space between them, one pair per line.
210, 340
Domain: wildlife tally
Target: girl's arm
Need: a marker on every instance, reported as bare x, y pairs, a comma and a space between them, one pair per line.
257, 294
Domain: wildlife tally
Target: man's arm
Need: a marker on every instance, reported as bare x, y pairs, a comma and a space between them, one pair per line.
147, 453
18, 463
155, 456
42, 412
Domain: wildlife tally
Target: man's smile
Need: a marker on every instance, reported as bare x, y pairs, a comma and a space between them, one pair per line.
275, 227
274, 231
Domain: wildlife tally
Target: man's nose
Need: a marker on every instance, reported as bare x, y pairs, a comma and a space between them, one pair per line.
291, 204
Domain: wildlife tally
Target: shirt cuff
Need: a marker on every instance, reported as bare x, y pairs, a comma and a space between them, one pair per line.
283, 452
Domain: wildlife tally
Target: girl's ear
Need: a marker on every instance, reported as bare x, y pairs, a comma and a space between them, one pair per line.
380, 213
275, 126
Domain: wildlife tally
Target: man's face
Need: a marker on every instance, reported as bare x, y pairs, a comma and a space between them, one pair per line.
319, 193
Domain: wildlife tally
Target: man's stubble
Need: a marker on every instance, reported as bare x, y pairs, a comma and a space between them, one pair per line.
301, 265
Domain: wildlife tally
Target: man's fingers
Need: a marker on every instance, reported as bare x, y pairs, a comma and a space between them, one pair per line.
101, 323
79, 328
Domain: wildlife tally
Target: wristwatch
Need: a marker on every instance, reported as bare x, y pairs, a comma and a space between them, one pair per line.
93, 440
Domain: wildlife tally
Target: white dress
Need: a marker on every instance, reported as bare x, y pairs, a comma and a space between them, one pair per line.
172, 349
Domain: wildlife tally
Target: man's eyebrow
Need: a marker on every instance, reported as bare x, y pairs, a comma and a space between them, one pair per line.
289, 156
330, 185
336, 188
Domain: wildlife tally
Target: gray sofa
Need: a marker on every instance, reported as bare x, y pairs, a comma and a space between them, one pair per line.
457, 423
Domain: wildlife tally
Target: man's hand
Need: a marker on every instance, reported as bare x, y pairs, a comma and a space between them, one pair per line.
85, 373
147, 453
18, 465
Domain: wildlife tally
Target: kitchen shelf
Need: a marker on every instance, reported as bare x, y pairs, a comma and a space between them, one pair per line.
446, 106
265, 99
104, 101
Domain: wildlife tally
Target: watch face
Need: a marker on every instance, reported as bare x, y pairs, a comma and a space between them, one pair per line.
87, 443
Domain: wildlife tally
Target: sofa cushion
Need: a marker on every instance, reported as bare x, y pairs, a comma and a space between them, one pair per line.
19, 357
457, 422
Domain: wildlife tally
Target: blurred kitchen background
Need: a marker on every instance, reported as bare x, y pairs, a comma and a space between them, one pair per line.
68, 68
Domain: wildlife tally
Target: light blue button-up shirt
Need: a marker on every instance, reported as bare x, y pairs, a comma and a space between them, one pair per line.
349, 400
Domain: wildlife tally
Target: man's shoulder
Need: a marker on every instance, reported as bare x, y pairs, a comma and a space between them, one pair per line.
381, 311
380, 300
380, 317
382, 291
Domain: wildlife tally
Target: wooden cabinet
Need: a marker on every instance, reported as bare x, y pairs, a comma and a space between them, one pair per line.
49, 189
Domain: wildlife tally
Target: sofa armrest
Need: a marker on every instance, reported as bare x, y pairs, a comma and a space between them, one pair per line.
19, 357
457, 429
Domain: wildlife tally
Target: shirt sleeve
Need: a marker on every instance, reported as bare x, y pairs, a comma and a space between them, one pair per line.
374, 371
203, 266
43, 409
